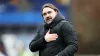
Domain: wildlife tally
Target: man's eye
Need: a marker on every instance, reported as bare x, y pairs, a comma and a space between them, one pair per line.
44, 14
49, 12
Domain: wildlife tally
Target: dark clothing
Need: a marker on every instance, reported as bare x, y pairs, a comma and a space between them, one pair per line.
64, 45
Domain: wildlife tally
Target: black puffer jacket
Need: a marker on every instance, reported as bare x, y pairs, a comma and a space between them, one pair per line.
64, 45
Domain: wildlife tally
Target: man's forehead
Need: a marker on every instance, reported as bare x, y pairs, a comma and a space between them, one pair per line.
47, 9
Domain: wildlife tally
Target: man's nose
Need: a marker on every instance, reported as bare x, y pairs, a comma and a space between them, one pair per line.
47, 15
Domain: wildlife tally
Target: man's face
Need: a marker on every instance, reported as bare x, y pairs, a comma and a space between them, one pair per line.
48, 14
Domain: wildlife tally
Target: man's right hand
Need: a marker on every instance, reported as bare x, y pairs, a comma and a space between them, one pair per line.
50, 37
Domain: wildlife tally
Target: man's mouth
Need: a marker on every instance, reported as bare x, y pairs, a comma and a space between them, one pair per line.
48, 19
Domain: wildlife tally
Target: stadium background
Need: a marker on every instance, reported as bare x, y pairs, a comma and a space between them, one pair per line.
20, 19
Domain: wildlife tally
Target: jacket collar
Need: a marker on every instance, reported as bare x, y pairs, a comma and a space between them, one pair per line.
56, 20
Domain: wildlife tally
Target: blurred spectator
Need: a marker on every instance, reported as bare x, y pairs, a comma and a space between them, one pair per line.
10, 42
7, 5
3, 5
2, 48
63, 2
2, 8
24, 5
11, 6
4, 1
15, 47
1, 54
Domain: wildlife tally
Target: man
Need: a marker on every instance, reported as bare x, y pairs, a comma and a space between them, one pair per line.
57, 37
